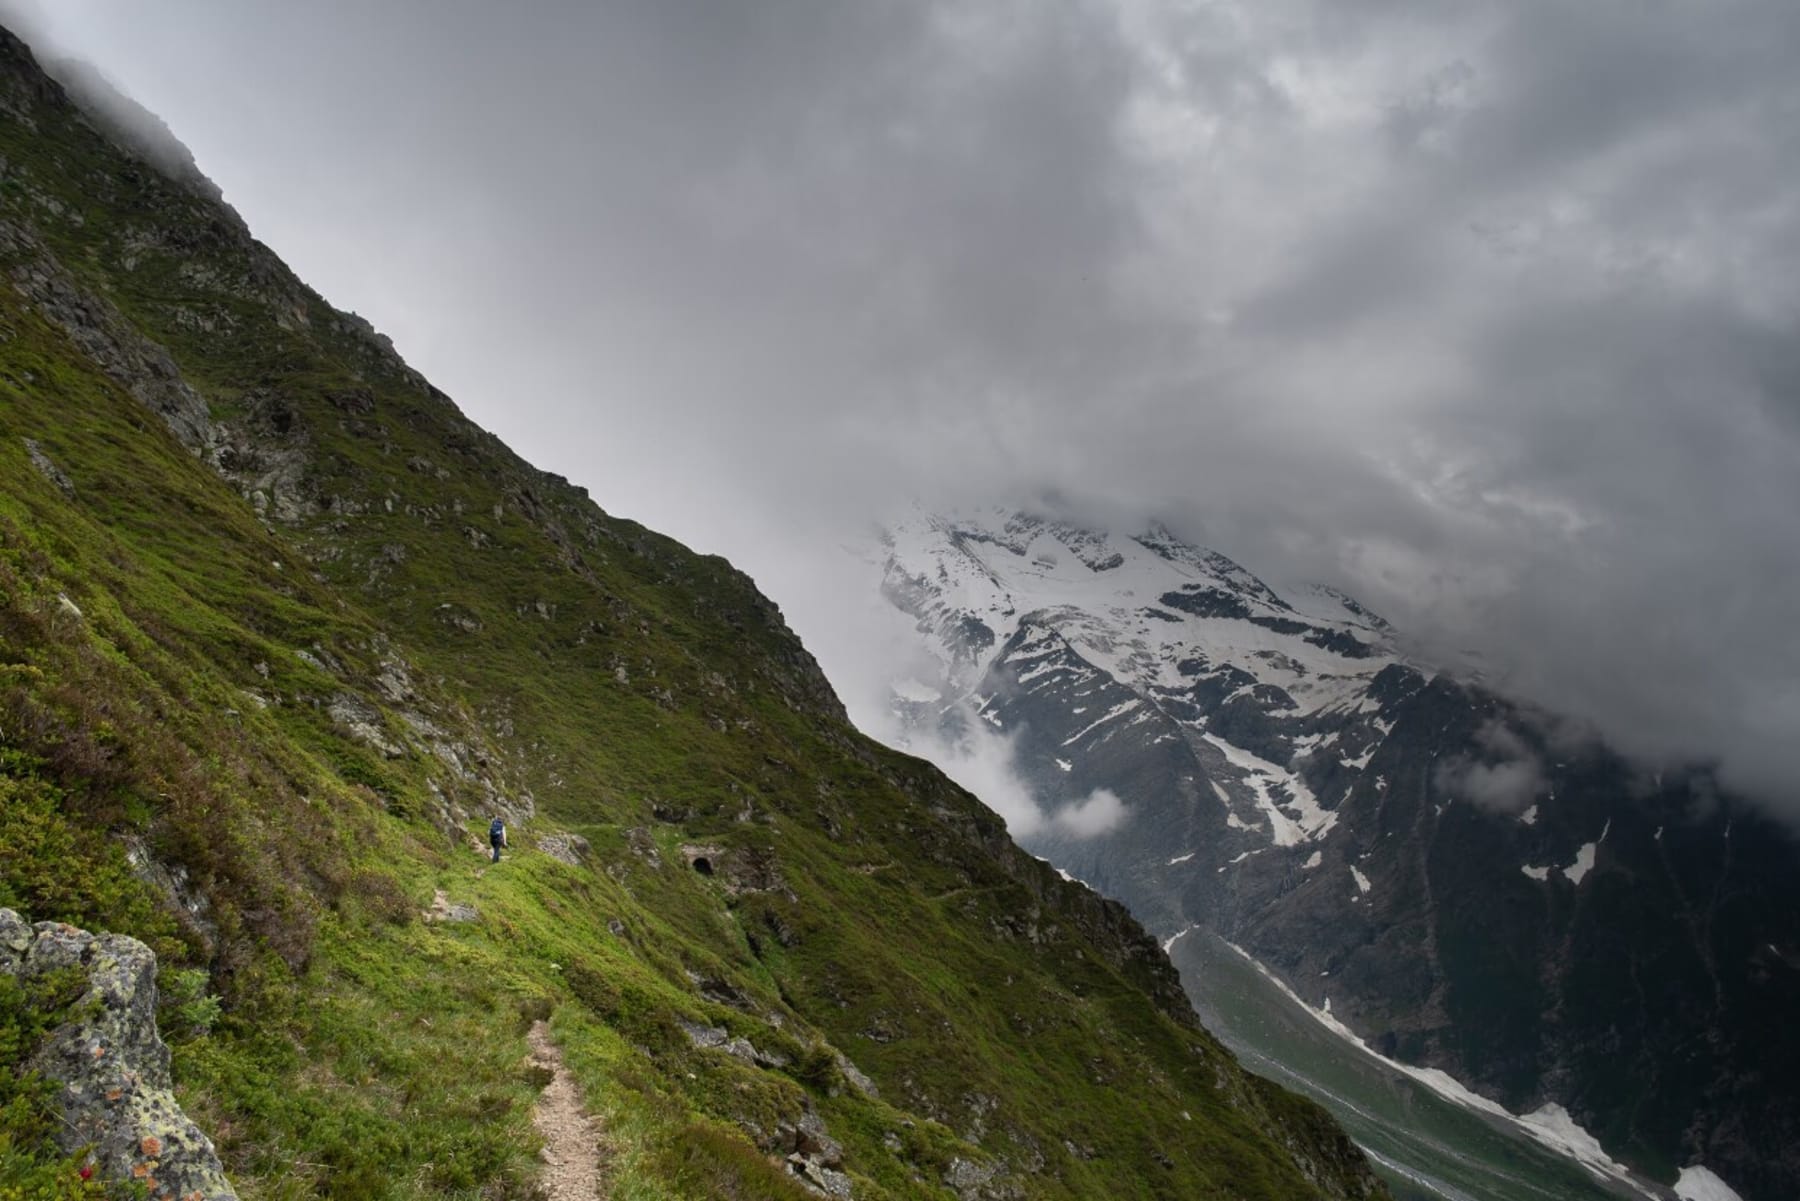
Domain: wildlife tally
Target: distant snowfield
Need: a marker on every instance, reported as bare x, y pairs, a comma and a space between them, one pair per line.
1550, 1125
1262, 777
1098, 591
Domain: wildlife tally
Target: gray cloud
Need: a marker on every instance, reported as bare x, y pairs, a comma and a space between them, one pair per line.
1095, 814
1509, 779
1506, 787
1485, 311
983, 760
983, 763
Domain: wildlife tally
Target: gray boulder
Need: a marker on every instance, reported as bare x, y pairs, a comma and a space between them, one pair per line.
116, 1099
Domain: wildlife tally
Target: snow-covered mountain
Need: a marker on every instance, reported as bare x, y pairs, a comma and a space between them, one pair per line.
1468, 884
1140, 634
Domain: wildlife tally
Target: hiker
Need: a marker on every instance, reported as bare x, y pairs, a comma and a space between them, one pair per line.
497, 836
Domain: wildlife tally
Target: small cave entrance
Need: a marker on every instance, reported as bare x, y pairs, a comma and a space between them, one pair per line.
703, 865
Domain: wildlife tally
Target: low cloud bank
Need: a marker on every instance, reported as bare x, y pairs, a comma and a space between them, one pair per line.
1483, 311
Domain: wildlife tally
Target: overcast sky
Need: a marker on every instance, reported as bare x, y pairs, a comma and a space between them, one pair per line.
1489, 311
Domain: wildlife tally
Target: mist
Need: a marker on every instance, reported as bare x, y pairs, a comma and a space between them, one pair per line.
1483, 312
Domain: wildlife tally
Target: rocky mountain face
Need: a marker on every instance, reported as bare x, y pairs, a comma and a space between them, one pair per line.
281, 630
1467, 883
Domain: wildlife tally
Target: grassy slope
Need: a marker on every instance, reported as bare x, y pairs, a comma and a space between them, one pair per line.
508, 641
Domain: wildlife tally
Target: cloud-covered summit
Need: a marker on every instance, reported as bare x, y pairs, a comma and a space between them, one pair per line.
1485, 311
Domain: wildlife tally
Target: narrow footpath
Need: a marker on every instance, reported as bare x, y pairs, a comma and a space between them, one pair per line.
572, 1142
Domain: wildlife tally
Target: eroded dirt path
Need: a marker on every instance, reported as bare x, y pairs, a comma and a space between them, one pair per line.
573, 1154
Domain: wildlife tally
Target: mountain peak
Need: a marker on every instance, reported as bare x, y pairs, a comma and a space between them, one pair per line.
1157, 608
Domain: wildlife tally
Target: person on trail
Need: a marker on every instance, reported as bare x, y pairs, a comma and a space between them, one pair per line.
496, 836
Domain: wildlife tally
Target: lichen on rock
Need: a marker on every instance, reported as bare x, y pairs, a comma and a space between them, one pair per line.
116, 1099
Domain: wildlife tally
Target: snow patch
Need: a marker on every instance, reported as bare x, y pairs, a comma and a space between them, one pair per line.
1263, 777
1176, 937
1529, 817
1182, 858
1584, 862
1559, 1128
1313, 860
1121, 708
1064, 765
1698, 1184
1039, 670
1552, 1126
1585, 858
1362, 881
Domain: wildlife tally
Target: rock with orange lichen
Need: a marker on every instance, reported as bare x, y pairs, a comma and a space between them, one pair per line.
116, 1095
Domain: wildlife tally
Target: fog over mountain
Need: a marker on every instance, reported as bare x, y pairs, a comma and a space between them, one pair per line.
1485, 312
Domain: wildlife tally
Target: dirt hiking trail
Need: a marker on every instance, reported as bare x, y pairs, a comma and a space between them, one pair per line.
572, 1151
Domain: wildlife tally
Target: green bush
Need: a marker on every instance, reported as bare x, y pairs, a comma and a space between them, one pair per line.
703, 1160
187, 1009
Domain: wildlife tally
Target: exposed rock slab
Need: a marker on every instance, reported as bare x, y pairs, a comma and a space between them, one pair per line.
116, 1097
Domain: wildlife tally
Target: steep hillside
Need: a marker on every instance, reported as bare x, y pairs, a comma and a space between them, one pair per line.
280, 630
1470, 885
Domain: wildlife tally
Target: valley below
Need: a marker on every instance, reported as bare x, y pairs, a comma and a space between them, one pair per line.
1424, 1145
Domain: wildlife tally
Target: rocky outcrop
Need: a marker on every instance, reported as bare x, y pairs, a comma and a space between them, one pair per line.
47, 468
816, 1157
564, 847
116, 1101
112, 343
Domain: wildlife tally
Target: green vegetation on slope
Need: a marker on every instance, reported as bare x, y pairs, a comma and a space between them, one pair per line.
267, 666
